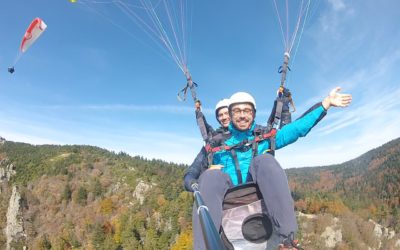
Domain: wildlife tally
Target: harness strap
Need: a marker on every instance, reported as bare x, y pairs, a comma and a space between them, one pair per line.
189, 84
257, 138
255, 149
211, 149
278, 111
265, 136
201, 123
210, 157
237, 166
260, 135
182, 94
272, 145
206, 134
281, 108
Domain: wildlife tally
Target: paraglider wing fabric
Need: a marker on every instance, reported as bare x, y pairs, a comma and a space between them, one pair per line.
33, 32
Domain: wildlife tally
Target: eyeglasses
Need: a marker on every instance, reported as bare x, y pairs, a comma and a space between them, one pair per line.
237, 112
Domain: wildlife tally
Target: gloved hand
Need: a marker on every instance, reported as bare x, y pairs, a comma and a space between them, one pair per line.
194, 186
189, 181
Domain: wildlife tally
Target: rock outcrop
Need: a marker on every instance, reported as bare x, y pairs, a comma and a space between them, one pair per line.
332, 236
14, 229
140, 191
6, 170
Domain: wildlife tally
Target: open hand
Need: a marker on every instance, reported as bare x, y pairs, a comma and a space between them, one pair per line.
197, 105
336, 99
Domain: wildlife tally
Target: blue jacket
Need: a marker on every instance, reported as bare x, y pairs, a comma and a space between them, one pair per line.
285, 136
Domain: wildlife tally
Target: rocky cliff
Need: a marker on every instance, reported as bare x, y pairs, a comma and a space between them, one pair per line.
14, 229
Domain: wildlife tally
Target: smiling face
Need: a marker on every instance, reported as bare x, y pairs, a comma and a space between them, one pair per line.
223, 117
242, 116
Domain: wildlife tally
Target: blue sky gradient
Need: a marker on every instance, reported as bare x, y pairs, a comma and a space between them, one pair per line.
89, 81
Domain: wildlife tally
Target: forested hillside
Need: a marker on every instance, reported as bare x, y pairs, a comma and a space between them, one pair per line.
85, 197
368, 185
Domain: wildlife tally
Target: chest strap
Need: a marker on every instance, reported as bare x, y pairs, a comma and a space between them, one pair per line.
260, 135
237, 166
257, 139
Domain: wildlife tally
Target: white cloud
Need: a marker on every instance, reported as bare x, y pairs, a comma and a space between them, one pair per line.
370, 121
131, 108
337, 5
168, 146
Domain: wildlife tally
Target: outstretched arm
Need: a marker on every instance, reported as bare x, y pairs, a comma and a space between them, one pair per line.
300, 128
336, 99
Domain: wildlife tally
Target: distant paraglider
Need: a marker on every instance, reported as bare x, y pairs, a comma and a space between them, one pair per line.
34, 31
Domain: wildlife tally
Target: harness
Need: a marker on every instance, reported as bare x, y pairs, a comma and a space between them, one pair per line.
205, 130
217, 144
280, 114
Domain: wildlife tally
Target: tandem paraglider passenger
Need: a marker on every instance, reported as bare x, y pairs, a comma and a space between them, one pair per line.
247, 157
200, 163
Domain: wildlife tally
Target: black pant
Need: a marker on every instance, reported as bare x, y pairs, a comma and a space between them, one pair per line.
272, 182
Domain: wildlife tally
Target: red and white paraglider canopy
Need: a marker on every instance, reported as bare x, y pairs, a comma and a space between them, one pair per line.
33, 32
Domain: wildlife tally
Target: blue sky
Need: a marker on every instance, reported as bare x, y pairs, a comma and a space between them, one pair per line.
88, 81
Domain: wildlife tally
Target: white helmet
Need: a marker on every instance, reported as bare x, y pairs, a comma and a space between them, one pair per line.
242, 97
224, 103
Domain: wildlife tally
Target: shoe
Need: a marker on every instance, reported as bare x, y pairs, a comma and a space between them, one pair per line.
280, 242
290, 243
